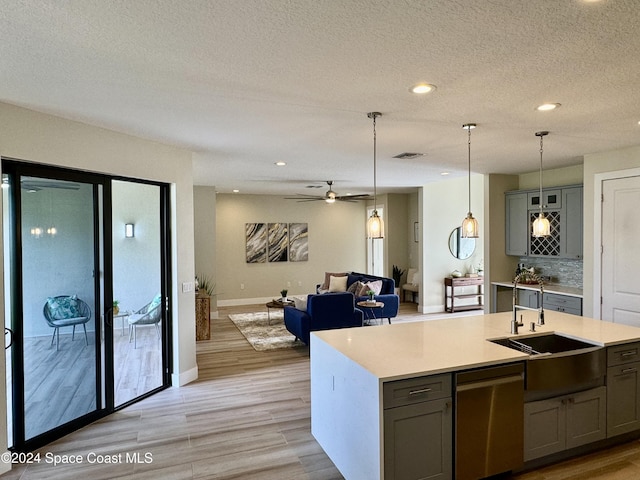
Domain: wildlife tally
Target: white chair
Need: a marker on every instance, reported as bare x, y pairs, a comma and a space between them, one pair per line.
150, 314
412, 285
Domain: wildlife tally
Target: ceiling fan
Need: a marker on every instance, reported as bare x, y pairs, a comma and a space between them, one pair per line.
329, 197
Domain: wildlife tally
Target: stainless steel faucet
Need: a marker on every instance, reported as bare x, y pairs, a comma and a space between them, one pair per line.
514, 321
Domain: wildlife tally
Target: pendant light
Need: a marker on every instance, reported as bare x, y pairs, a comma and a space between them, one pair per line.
469, 224
375, 225
541, 227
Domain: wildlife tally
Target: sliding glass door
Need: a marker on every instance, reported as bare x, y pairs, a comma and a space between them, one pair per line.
74, 358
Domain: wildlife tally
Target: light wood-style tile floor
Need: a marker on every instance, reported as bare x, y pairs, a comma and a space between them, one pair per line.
247, 417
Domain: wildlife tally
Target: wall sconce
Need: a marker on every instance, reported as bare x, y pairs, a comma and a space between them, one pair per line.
129, 230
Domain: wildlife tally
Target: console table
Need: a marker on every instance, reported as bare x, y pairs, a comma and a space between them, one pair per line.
450, 295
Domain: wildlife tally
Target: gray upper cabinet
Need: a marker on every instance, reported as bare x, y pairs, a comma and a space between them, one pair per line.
562, 206
571, 223
517, 225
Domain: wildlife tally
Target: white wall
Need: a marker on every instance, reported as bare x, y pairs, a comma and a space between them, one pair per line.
444, 206
596, 164
204, 205
556, 177
37, 137
336, 243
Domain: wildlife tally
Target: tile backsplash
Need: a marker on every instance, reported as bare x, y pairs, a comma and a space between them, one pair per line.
562, 271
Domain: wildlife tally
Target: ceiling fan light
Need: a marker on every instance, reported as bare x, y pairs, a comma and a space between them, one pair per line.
470, 227
375, 226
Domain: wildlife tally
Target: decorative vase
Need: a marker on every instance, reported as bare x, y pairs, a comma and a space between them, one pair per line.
116, 310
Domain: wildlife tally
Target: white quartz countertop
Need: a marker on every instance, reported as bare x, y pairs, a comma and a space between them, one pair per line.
404, 350
548, 288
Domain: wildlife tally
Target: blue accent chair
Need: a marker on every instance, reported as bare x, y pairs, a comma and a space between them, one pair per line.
324, 312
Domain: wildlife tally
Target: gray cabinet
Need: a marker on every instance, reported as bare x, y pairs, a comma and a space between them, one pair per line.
418, 428
517, 224
564, 209
571, 223
562, 303
528, 298
623, 389
565, 422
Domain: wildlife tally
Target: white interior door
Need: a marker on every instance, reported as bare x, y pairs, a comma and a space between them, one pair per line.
620, 257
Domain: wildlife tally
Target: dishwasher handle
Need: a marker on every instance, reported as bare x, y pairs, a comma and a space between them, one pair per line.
490, 382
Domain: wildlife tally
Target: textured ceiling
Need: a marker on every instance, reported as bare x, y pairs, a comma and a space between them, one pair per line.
246, 83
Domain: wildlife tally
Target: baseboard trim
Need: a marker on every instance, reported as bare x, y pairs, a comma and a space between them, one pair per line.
181, 379
5, 467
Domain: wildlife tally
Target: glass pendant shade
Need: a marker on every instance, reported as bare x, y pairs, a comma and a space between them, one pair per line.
375, 226
541, 226
470, 227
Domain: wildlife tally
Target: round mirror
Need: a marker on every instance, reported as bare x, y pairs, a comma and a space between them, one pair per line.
460, 247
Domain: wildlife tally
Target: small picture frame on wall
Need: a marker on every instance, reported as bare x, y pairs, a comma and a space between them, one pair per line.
416, 232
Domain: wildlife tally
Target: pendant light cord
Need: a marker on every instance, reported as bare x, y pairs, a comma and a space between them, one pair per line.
469, 146
375, 190
541, 138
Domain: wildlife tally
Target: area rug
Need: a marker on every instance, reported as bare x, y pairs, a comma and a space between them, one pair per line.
262, 336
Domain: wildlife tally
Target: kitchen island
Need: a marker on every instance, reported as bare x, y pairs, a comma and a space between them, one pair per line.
350, 369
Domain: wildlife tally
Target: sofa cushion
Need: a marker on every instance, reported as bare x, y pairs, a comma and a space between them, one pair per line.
338, 284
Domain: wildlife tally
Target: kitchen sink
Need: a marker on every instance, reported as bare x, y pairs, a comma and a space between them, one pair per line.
545, 344
557, 361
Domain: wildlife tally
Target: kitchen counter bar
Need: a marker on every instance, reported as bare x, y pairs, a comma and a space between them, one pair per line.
405, 350
349, 368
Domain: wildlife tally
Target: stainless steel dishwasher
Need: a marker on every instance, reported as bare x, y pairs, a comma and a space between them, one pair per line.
489, 428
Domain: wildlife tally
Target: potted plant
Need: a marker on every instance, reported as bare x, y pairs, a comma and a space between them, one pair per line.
372, 295
397, 278
284, 292
116, 308
205, 284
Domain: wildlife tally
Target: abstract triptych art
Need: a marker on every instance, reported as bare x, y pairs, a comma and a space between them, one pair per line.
276, 242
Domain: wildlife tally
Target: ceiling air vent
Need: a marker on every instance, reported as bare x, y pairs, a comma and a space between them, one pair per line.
408, 155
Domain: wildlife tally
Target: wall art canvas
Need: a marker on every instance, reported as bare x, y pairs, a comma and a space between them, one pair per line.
278, 242
298, 242
256, 242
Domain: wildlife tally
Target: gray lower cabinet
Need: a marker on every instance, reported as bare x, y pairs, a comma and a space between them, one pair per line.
623, 389
528, 298
565, 422
562, 303
418, 429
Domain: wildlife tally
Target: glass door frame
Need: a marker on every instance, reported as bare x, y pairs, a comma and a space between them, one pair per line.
103, 295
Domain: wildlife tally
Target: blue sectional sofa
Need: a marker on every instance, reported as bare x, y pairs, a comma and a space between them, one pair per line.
325, 311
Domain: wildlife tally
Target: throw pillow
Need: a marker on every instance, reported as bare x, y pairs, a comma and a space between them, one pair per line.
416, 278
376, 286
355, 287
362, 290
338, 284
63, 307
300, 303
327, 278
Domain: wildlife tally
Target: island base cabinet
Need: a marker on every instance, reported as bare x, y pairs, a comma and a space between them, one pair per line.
418, 441
560, 423
623, 399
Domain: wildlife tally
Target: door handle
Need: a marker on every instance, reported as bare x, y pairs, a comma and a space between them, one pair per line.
10, 332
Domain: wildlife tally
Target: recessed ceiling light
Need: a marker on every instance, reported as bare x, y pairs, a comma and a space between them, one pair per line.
422, 88
281, 164
547, 107
235, 190
444, 174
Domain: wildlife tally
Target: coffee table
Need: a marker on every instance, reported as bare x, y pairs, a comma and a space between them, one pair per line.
277, 304
367, 307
